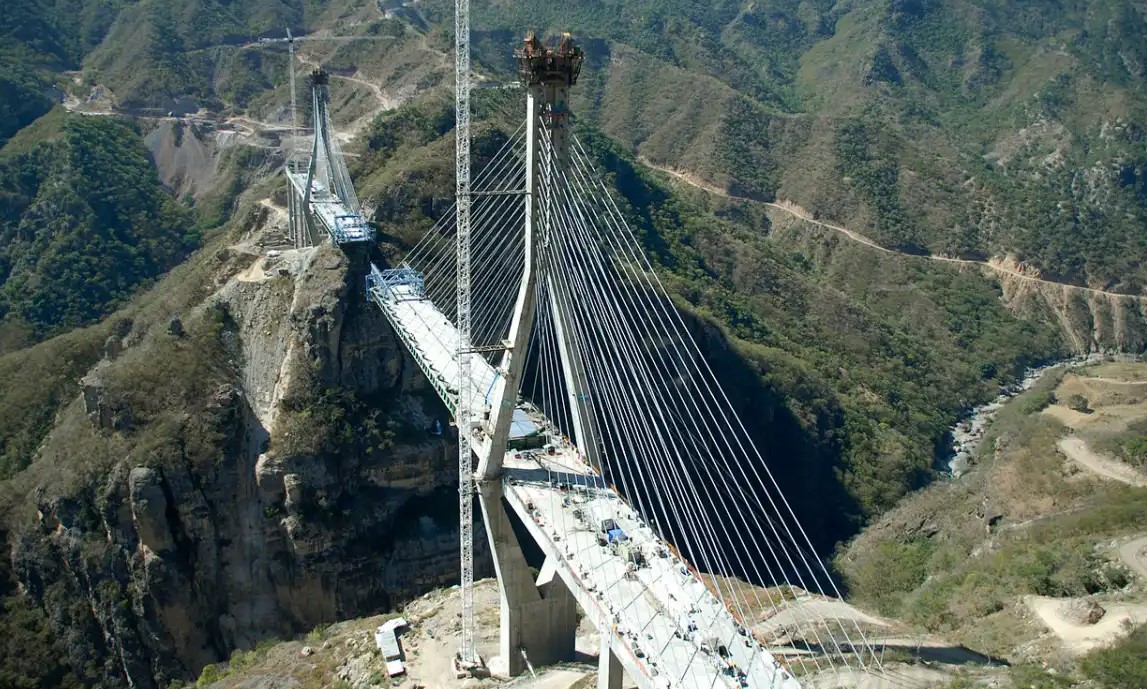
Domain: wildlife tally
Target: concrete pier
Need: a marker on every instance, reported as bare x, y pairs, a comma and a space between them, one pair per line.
538, 616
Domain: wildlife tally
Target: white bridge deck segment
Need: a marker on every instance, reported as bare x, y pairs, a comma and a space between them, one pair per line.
663, 623
334, 217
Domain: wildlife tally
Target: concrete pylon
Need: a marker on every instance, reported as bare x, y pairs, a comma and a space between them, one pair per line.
609, 670
548, 74
504, 394
537, 616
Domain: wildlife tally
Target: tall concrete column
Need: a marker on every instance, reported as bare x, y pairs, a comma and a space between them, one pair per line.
609, 672
585, 430
539, 617
504, 395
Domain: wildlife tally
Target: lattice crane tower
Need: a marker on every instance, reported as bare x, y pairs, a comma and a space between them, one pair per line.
467, 653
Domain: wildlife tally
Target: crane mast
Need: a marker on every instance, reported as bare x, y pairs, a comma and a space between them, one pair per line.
467, 653
293, 154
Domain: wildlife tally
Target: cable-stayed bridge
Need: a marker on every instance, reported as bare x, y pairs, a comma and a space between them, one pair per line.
590, 423
320, 196
588, 413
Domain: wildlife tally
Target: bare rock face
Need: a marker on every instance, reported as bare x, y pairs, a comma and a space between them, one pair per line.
102, 411
160, 566
1091, 320
1082, 611
149, 510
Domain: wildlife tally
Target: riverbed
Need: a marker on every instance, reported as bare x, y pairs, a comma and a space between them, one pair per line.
968, 433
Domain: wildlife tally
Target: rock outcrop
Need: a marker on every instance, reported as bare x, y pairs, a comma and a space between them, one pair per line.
1082, 611
304, 487
1091, 320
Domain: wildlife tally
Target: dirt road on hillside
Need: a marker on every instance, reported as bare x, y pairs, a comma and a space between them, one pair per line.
796, 211
1080, 638
813, 611
1076, 449
1134, 554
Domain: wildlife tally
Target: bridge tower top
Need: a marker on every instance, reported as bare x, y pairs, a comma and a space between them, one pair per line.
320, 77
548, 72
541, 65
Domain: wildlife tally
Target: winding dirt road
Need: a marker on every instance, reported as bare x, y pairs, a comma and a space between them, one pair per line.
1134, 553
796, 212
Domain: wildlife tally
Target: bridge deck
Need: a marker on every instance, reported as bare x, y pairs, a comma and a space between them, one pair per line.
433, 339
342, 224
665, 625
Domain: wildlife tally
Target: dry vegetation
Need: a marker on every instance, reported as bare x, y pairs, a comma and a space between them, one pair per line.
1004, 559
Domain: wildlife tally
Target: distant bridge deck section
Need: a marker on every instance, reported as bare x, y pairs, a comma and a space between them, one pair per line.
664, 624
343, 225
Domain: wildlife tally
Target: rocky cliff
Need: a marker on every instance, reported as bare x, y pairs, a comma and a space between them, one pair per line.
256, 466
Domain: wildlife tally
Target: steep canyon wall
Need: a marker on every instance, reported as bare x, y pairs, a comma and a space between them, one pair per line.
305, 489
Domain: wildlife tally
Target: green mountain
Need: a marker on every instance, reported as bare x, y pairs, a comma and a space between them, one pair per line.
38, 40
960, 128
83, 222
967, 128
886, 116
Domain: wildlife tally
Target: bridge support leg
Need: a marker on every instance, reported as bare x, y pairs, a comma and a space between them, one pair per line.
609, 671
539, 617
293, 215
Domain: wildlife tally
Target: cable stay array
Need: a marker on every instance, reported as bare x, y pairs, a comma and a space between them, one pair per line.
497, 246
666, 436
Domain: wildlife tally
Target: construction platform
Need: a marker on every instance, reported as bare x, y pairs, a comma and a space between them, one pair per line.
333, 216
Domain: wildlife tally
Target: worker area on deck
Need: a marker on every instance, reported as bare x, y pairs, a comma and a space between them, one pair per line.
632, 584
334, 217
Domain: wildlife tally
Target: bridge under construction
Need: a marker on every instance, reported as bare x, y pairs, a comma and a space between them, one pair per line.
321, 199
588, 418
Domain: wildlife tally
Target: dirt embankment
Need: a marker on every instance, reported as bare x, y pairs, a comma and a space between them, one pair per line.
1078, 451
1090, 319
1097, 406
1099, 403
185, 155
1082, 634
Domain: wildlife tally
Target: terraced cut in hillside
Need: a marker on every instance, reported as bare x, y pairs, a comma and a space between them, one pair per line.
1106, 413
1036, 555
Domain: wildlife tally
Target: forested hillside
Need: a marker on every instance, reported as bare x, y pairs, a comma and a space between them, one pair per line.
83, 222
38, 40
966, 128
963, 127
